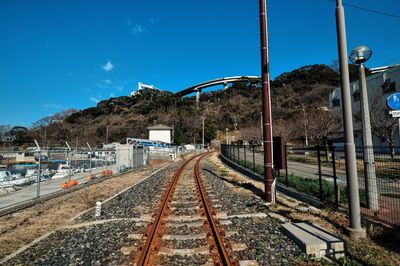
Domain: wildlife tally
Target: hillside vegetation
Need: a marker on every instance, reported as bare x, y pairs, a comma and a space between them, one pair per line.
236, 107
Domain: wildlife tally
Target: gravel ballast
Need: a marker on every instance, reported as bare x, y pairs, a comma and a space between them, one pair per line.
112, 238
265, 242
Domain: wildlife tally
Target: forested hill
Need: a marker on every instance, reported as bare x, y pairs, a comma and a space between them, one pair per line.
239, 106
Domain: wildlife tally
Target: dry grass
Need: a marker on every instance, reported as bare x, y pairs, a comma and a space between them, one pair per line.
22, 227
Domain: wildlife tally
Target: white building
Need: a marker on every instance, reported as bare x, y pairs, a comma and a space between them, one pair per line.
161, 133
380, 86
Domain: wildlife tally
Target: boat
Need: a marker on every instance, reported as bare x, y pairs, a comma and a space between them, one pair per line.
32, 175
9, 180
63, 171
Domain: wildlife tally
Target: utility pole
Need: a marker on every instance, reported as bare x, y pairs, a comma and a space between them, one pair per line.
69, 162
203, 132
235, 123
305, 124
355, 229
266, 104
261, 123
39, 150
107, 134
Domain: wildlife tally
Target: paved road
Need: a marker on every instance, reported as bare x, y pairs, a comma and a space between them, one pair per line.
27, 193
311, 171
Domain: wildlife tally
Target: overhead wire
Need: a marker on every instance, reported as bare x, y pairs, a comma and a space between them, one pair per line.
370, 10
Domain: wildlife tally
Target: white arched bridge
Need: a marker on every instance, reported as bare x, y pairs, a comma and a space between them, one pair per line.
221, 81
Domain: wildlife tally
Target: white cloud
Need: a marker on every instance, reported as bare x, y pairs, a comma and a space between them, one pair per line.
152, 20
112, 95
137, 29
107, 81
52, 105
94, 99
108, 66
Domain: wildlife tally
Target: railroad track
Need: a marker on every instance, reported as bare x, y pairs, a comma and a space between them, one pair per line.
202, 219
185, 204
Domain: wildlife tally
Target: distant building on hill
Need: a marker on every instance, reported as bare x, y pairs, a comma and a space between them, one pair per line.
161, 133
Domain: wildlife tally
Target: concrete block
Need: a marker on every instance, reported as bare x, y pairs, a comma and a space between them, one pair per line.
332, 241
310, 244
315, 240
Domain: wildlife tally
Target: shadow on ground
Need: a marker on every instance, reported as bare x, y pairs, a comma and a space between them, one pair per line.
244, 185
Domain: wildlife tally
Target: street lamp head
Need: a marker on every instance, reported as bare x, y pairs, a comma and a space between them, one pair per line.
360, 54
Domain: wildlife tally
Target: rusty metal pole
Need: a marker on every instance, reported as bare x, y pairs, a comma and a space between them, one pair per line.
266, 103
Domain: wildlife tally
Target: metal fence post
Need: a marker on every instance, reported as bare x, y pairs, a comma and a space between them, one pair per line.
137, 156
254, 161
38, 175
286, 159
319, 173
335, 178
244, 152
238, 158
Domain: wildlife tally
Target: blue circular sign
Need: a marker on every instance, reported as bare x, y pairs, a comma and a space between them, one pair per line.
393, 101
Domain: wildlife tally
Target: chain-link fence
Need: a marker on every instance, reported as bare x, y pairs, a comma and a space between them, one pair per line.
33, 173
321, 172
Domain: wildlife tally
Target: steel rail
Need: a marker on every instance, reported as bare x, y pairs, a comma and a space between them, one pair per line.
145, 250
225, 259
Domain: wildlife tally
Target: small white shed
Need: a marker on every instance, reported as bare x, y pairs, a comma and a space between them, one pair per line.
161, 133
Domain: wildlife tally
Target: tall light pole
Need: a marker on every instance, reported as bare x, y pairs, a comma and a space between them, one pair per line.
359, 55
355, 229
266, 105
226, 135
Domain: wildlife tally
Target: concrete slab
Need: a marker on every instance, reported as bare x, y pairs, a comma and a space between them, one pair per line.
248, 263
333, 242
182, 252
184, 237
315, 240
223, 215
310, 244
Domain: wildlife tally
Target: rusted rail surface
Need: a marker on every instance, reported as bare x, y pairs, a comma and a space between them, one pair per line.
216, 240
146, 253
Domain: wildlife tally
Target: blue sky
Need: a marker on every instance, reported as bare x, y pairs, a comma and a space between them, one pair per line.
64, 54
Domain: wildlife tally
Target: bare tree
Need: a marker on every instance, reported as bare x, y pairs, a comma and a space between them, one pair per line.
322, 124
56, 117
4, 129
284, 128
383, 125
251, 134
